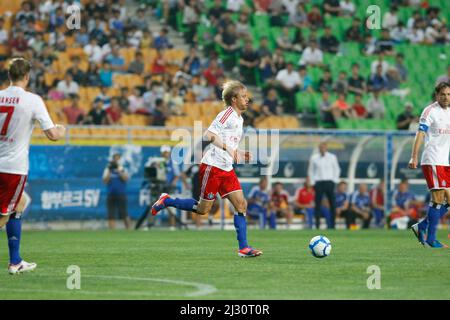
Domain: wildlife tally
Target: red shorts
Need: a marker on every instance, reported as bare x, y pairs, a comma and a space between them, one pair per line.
438, 177
11, 189
213, 180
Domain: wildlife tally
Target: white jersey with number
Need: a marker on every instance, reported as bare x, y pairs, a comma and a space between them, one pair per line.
228, 126
18, 111
435, 122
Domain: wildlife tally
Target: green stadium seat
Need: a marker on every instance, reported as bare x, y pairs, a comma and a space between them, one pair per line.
180, 25
261, 22
351, 50
292, 57
345, 124
307, 102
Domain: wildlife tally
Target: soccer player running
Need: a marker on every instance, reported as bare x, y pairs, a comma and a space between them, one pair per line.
434, 128
216, 168
18, 111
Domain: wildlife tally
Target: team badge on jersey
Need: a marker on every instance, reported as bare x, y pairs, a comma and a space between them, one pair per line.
210, 196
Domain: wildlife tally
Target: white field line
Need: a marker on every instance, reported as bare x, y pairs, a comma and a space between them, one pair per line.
202, 289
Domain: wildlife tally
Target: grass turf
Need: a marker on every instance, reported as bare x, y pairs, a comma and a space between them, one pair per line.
179, 265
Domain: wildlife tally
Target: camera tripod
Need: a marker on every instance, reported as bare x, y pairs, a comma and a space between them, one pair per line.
156, 188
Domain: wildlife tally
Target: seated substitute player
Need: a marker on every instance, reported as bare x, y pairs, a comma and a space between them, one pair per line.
304, 203
216, 168
377, 203
359, 207
404, 212
434, 128
279, 203
258, 202
342, 201
19, 109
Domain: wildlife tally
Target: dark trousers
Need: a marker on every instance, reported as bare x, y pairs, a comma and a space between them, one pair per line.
117, 204
288, 96
350, 219
327, 188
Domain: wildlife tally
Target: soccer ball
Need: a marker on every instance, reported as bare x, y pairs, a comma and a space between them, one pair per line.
320, 246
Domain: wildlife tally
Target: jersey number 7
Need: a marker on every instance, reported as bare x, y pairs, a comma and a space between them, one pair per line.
9, 112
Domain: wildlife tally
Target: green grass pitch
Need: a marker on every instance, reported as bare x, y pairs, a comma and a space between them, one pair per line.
204, 265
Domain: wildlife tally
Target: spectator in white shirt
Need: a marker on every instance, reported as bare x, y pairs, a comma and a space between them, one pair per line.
375, 106
412, 20
312, 55
235, 5
399, 33
68, 86
93, 51
416, 35
380, 60
390, 18
431, 33
288, 84
324, 172
291, 7
348, 8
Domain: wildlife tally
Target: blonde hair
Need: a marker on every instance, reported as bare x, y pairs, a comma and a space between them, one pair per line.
231, 89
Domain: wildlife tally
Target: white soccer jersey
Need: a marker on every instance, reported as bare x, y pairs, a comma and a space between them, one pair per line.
18, 111
228, 126
435, 122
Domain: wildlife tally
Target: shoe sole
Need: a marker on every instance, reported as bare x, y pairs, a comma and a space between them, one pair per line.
247, 256
21, 272
417, 235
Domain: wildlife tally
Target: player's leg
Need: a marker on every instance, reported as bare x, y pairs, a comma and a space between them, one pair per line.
434, 214
445, 208
423, 225
14, 231
210, 184
240, 223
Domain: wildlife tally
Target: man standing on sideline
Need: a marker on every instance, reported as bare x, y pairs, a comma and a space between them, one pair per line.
18, 112
115, 177
434, 127
324, 172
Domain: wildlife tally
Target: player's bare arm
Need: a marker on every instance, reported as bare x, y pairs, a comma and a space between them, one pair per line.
56, 133
418, 140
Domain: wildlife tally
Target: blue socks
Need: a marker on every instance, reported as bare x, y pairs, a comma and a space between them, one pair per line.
182, 204
444, 209
240, 223
13, 232
434, 213
423, 225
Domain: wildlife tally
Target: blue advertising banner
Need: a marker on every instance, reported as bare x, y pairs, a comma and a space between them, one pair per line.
65, 182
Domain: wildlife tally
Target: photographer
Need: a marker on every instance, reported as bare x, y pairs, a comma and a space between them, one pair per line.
115, 177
